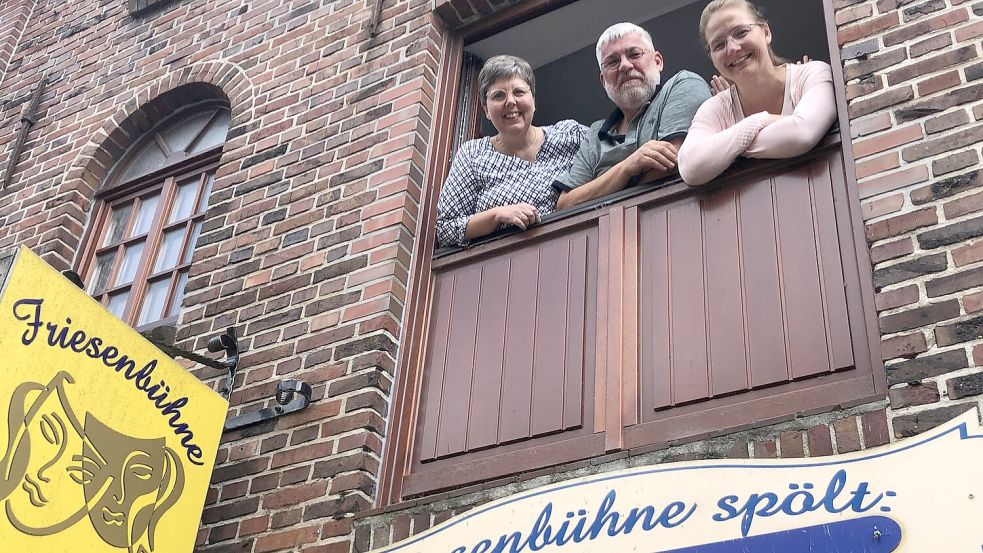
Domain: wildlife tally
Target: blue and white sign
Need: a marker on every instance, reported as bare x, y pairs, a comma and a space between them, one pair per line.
916, 496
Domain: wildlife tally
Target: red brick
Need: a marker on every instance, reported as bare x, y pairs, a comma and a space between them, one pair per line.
910, 175
867, 28
882, 206
766, 449
847, 435
911, 395
879, 164
891, 250
875, 428
871, 124
973, 302
896, 298
791, 444
970, 32
934, 84
970, 253
963, 206
887, 141
901, 224
906, 345
820, 441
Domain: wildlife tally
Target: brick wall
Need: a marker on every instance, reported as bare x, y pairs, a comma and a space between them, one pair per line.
13, 18
913, 72
308, 235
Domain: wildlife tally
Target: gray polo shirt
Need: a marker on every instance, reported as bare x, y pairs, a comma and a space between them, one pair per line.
667, 115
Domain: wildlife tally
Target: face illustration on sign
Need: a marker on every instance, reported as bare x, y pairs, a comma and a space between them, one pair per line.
36, 470
129, 483
54, 472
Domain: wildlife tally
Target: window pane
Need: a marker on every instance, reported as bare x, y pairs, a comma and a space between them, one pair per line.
184, 200
214, 135
170, 250
100, 276
148, 159
117, 303
203, 203
189, 250
178, 295
131, 261
153, 301
179, 135
117, 223
145, 217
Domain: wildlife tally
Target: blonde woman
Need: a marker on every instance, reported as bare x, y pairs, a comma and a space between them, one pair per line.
773, 109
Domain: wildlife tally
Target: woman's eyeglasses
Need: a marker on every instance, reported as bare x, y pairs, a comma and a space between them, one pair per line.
500, 96
736, 34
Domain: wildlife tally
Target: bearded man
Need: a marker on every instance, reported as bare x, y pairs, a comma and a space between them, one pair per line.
639, 140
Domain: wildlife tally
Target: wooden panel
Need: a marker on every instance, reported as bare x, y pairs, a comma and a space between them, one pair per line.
654, 375
834, 281
759, 249
580, 325
549, 358
687, 307
799, 265
520, 341
742, 288
455, 399
434, 378
511, 351
725, 294
486, 390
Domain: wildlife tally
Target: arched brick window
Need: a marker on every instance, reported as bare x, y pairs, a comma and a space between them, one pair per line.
149, 214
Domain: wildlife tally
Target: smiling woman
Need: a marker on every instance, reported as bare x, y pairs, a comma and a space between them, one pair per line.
505, 180
790, 107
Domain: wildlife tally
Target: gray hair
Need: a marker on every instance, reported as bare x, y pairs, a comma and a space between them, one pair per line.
504, 67
618, 30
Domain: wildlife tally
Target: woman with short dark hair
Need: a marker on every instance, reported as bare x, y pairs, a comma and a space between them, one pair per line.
505, 180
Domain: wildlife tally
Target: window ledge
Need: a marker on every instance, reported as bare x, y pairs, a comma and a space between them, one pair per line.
665, 190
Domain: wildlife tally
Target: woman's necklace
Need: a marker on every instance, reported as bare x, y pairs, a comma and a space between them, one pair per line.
528, 151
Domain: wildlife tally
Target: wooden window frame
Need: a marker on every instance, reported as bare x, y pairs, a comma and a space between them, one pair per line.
398, 452
179, 168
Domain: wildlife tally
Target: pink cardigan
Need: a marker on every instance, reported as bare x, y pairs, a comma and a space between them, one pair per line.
720, 131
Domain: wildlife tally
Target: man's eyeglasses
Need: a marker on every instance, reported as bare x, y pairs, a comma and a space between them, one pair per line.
737, 34
613, 62
499, 96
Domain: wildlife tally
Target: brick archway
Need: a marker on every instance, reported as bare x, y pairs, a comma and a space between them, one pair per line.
222, 81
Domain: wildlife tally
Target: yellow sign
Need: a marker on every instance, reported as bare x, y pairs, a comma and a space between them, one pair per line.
108, 444
921, 495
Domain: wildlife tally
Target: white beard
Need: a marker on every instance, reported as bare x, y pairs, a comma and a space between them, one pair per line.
634, 94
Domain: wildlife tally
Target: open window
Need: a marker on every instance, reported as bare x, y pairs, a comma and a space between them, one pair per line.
659, 313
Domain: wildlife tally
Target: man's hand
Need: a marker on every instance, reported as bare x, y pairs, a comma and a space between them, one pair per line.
521, 215
654, 155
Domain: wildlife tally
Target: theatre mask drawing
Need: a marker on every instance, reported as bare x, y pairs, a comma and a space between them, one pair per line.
108, 445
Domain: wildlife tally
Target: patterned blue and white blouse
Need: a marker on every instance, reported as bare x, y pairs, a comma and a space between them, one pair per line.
481, 178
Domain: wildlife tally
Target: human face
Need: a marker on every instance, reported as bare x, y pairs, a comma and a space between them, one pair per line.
630, 71
510, 105
120, 477
738, 44
46, 499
